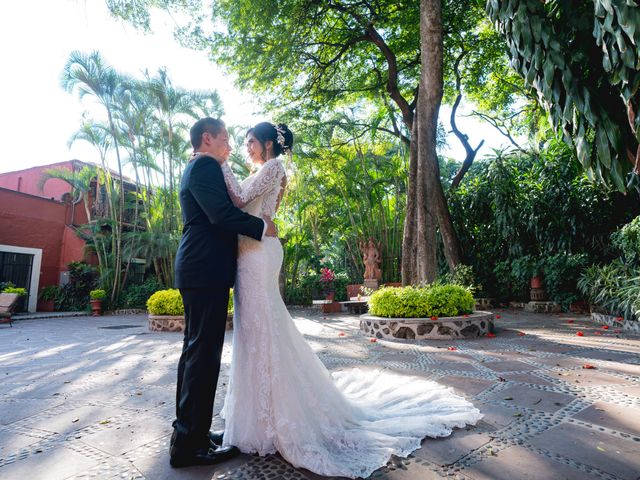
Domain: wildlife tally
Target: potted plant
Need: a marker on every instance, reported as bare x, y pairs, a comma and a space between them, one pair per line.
96, 298
48, 296
327, 279
22, 294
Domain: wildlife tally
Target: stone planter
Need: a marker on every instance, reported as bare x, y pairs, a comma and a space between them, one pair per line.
477, 324
166, 323
612, 321
175, 323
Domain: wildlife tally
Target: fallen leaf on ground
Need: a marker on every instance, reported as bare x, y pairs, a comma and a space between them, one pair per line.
451, 348
588, 366
605, 327
75, 420
498, 316
580, 334
341, 334
570, 321
600, 448
508, 398
517, 414
105, 422
522, 334
373, 340
491, 335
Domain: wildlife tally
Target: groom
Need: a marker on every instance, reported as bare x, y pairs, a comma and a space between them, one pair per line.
205, 269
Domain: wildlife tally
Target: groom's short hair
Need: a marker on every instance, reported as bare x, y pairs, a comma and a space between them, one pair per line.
210, 125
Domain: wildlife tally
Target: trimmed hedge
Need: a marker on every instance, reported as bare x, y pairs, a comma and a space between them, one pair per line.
420, 302
169, 302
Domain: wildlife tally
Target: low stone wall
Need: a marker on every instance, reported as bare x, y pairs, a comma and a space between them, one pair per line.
613, 322
477, 324
174, 323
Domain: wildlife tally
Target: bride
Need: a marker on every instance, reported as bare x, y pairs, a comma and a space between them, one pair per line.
280, 396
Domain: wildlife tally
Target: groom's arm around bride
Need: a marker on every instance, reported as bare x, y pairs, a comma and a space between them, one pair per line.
205, 269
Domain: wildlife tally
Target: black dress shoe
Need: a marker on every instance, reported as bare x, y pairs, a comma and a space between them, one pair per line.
215, 437
202, 456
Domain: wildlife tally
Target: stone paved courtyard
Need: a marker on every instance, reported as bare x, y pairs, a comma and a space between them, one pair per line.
91, 397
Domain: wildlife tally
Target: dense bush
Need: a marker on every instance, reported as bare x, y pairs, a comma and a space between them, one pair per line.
166, 302
310, 287
136, 296
419, 302
169, 302
515, 213
98, 294
73, 296
615, 287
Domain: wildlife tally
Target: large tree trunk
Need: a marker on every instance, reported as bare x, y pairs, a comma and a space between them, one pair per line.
429, 100
419, 253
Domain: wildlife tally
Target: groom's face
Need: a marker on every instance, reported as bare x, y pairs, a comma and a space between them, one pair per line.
218, 145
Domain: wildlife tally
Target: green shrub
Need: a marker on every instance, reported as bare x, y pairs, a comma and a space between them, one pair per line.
309, 287
419, 302
169, 302
561, 274
136, 296
627, 240
613, 287
50, 292
462, 275
97, 294
22, 292
166, 302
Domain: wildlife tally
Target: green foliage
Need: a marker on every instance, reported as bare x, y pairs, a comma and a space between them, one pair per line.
627, 240
615, 286
50, 292
420, 302
310, 287
169, 302
582, 58
462, 275
98, 294
136, 296
561, 274
4, 285
512, 211
73, 296
22, 292
166, 302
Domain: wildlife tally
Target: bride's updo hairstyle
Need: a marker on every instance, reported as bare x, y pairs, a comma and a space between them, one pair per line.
279, 134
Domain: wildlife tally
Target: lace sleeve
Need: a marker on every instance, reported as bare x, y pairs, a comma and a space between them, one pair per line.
268, 178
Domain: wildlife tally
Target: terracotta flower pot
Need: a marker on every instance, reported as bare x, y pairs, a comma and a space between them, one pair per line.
96, 307
536, 281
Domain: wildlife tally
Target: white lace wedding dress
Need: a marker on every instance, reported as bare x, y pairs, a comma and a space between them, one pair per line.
280, 396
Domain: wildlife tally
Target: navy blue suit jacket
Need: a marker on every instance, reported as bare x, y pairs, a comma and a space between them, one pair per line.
207, 254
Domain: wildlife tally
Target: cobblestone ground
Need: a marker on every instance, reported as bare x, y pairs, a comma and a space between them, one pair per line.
93, 398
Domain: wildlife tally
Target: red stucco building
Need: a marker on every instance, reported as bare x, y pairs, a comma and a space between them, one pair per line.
37, 229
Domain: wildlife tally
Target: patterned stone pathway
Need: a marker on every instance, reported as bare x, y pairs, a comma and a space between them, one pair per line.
93, 398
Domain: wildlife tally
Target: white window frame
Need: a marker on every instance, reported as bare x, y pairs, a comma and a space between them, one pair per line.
35, 271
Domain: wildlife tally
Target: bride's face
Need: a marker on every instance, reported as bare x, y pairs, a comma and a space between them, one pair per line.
254, 149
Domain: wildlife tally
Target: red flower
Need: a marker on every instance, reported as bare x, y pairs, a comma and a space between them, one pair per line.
605, 327
434, 318
466, 315
341, 334
522, 334
451, 349
373, 340
580, 334
588, 366
619, 319
570, 321
491, 335
498, 316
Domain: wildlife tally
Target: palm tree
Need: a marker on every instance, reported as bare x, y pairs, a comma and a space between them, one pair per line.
89, 74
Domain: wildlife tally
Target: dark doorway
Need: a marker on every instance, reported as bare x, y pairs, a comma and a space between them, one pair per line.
16, 268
